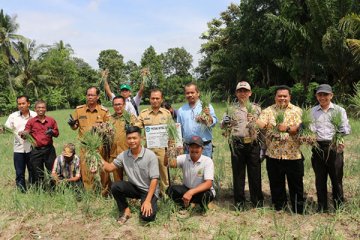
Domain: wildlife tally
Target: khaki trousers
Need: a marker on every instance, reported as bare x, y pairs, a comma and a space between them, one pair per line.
164, 178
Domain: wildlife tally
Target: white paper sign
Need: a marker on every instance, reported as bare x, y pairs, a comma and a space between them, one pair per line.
157, 136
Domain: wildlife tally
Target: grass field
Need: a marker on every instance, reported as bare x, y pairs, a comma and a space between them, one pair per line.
40, 215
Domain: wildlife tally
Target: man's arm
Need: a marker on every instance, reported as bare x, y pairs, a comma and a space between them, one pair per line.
108, 167
55, 129
104, 75
198, 189
137, 98
146, 208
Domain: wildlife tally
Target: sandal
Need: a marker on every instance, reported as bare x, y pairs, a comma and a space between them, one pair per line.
123, 219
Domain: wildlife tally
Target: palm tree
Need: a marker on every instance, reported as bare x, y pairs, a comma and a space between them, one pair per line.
351, 25
8, 38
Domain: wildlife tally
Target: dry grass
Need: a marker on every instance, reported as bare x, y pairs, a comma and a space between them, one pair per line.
58, 215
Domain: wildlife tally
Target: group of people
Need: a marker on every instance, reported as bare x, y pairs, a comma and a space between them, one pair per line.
146, 167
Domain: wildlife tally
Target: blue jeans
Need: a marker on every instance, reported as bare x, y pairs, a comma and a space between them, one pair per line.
21, 161
207, 150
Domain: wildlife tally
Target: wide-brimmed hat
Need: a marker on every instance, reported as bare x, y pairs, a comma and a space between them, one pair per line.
68, 150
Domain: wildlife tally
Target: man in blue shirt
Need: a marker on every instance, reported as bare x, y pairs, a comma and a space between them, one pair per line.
187, 117
328, 158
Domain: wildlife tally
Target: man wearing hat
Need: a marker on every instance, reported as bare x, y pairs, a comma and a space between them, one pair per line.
132, 104
67, 167
328, 159
244, 146
198, 176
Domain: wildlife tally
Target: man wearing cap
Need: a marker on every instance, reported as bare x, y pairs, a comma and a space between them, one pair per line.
83, 119
156, 115
132, 104
284, 161
22, 148
244, 146
198, 176
67, 167
328, 159
187, 118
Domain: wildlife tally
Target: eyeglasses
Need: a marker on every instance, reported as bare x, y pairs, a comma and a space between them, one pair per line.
91, 95
118, 104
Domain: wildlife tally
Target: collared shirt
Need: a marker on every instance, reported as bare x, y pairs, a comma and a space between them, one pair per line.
140, 170
322, 125
148, 117
190, 127
119, 143
239, 120
65, 169
285, 150
37, 130
195, 173
128, 104
16, 121
88, 119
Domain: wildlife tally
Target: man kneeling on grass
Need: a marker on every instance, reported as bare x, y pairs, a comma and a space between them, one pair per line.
66, 169
142, 169
198, 175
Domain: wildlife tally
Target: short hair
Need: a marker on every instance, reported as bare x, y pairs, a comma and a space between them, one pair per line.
192, 84
133, 129
23, 96
118, 97
282, 87
97, 90
156, 90
40, 102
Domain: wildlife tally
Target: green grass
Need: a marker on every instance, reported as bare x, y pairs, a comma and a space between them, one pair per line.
39, 214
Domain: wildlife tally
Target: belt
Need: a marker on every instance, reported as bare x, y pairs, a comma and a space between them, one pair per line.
324, 143
43, 147
243, 140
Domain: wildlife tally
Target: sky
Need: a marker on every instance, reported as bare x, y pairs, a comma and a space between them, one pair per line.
129, 26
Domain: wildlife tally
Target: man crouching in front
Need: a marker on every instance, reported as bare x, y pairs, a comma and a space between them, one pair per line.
141, 167
198, 175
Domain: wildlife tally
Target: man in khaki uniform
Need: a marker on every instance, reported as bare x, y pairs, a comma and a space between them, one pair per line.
156, 115
245, 147
84, 118
120, 124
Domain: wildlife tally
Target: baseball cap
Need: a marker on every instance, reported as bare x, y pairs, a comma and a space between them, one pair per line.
125, 87
196, 140
243, 84
68, 150
324, 88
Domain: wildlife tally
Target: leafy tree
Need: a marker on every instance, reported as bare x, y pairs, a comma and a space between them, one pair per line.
112, 60
150, 59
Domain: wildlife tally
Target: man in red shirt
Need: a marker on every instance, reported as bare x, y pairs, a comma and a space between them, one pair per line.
42, 128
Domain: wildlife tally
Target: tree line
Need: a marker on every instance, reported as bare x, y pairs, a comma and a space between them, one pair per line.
301, 43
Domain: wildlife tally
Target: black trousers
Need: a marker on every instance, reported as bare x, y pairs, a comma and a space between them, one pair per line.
326, 161
123, 189
176, 193
21, 162
246, 157
292, 171
40, 157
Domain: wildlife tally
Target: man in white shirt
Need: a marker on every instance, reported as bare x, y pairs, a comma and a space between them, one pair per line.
132, 103
22, 148
198, 176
